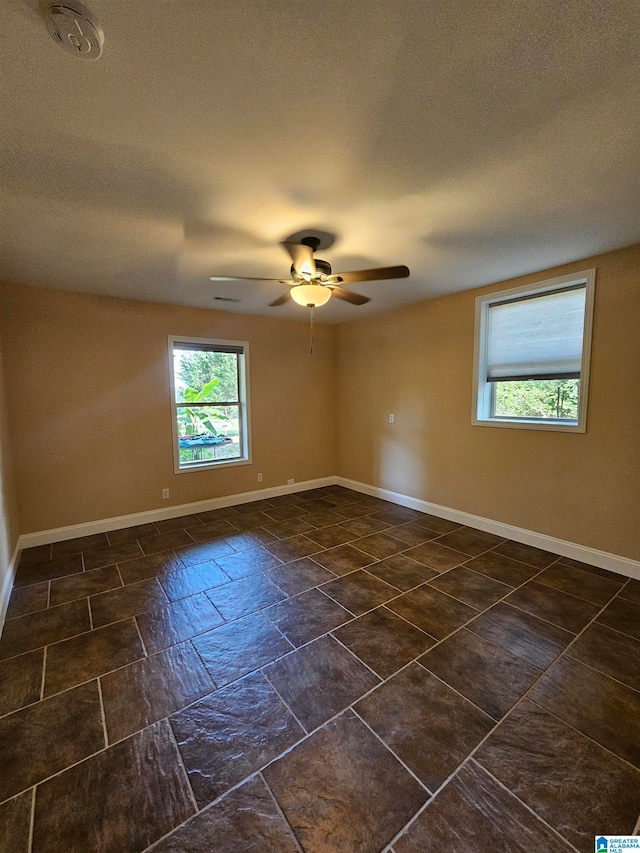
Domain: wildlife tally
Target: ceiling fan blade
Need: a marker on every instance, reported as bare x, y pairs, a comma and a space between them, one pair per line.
302, 257
348, 296
245, 278
280, 300
382, 274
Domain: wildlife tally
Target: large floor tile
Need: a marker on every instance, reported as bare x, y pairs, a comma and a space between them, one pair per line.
205, 532
44, 627
44, 738
491, 677
319, 680
502, 568
36, 554
82, 543
380, 545
229, 735
611, 716
15, 823
288, 527
395, 514
364, 526
127, 601
233, 650
343, 559
29, 573
384, 641
555, 606
298, 576
471, 542
167, 525
178, 621
411, 533
28, 599
631, 591
427, 724
432, 611
244, 596
525, 635
437, 556
193, 579
341, 790
246, 820
122, 799
83, 584
583, 584
471, 588
130, 534
575, 785
169, 541
330, 536
92, 654
202, 552
474, 814
611, 652
293, 548
150, 566
359, 591
622, 615
111, 554
20, 681
402, 572
152, 688
526, 554
247, 562
307, 616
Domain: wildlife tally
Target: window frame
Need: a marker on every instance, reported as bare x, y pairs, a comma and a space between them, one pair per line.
243, 405
482, 389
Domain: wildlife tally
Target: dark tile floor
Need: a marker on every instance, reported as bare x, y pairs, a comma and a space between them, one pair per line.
321, 672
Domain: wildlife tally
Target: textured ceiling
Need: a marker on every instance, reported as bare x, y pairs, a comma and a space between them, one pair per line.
471, 141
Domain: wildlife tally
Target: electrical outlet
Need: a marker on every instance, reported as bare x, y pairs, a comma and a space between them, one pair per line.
392, 419
259, 478
291, 481
165, 494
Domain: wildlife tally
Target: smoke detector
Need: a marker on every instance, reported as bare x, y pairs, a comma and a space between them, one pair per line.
75, 29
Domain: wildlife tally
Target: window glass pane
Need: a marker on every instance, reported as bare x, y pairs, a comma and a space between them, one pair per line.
207, 433
205, 376
551, 399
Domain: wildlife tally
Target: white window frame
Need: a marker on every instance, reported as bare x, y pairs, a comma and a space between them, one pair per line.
481, 411
243, 401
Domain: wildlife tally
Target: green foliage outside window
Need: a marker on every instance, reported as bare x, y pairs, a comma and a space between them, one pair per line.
537, 398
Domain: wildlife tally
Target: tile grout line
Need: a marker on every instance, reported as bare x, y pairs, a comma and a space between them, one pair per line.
174, 741
44, 670
32, 820
389, 749
103, 715
280, 812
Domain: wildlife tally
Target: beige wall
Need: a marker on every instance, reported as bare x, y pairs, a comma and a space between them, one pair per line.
8, 507
87, 382
417, 363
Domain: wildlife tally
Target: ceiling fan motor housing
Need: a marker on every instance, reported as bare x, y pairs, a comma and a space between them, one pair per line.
322, 267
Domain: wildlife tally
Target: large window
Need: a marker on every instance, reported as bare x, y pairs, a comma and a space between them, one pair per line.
209, 402
532, 346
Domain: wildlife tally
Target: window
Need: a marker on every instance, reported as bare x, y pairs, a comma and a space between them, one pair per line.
531, 359
209, 398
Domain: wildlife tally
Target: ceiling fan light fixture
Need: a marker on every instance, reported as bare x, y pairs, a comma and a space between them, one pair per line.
312, 295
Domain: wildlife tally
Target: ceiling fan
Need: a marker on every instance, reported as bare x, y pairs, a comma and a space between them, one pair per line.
312, 282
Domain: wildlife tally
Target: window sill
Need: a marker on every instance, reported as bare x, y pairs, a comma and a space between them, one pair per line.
221, 463
548, 426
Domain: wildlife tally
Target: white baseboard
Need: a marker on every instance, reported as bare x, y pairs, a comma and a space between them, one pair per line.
104, 525
7, 584
602, 559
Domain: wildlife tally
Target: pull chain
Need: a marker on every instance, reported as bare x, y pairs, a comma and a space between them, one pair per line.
312, 331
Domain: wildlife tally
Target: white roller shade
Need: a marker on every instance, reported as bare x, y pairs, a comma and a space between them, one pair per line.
536, 337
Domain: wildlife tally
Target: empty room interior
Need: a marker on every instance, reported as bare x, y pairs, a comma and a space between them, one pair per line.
320, 426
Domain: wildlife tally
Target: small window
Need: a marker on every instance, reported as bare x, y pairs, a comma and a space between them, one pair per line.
531, 360
209, 402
